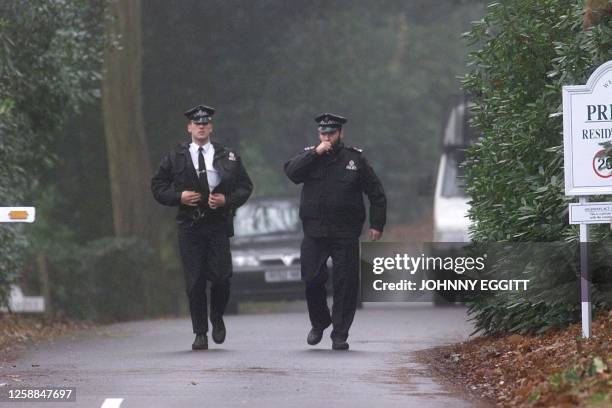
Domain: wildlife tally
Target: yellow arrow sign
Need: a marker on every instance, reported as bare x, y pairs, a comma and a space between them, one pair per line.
18, 215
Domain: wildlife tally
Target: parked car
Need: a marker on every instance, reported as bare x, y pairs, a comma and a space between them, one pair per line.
266, 251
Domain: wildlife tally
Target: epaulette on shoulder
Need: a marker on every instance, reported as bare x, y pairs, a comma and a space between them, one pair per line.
309, 148
231, 153
357, 149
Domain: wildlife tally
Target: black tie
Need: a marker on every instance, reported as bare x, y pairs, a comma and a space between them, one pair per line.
202, 176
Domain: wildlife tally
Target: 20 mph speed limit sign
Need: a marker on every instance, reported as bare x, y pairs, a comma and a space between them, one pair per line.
587, 126
602, 164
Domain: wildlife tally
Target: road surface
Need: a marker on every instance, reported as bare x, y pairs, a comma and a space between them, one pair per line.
264, 362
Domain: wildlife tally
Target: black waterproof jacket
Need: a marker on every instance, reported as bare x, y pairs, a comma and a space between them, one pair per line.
177, 174
331, 204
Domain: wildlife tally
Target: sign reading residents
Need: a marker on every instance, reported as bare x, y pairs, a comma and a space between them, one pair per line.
587, 126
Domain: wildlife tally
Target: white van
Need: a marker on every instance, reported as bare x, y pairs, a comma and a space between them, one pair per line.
451, 223
451, 204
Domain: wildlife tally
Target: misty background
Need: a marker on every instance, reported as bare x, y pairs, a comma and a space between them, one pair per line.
268, 67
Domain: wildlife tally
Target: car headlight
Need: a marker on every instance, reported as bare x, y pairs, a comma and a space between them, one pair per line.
245, 260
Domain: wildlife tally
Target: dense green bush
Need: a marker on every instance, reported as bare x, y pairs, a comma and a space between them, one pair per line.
106, 281
526, 51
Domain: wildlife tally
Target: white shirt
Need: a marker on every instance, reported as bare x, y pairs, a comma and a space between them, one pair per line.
208, 151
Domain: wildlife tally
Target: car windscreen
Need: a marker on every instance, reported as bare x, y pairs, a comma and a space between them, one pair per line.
453, 182
275, 217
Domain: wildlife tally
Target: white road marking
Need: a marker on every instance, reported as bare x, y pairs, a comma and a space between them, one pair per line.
112, 403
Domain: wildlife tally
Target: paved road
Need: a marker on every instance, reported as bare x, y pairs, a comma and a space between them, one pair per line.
265, 362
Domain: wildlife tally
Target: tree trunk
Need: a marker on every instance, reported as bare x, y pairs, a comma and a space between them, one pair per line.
593, 9
127, 148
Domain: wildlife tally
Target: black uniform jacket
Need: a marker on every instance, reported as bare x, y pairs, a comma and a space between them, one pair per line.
177, 174
332, 196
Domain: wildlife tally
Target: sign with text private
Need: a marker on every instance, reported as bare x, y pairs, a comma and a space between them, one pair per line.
587, 126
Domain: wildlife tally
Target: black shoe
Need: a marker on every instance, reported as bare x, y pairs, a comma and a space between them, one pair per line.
218, 332
200, 342
340, 345
314, 336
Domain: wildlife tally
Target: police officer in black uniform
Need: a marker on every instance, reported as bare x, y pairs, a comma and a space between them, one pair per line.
332, 212
208, 183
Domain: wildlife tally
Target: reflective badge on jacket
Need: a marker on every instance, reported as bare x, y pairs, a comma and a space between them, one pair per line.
351, 165
232, 156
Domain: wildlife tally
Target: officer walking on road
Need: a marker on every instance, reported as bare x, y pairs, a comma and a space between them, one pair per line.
208, 183
332, 211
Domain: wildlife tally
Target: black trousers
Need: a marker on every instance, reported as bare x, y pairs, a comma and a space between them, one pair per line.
205, 253
344, 253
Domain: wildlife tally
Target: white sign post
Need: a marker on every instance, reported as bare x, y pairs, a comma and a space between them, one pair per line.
587, 125
18, 302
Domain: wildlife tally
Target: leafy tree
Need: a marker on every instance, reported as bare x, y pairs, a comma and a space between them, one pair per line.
50, 53
526, 51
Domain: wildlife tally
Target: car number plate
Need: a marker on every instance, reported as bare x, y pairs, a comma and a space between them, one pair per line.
290, 275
